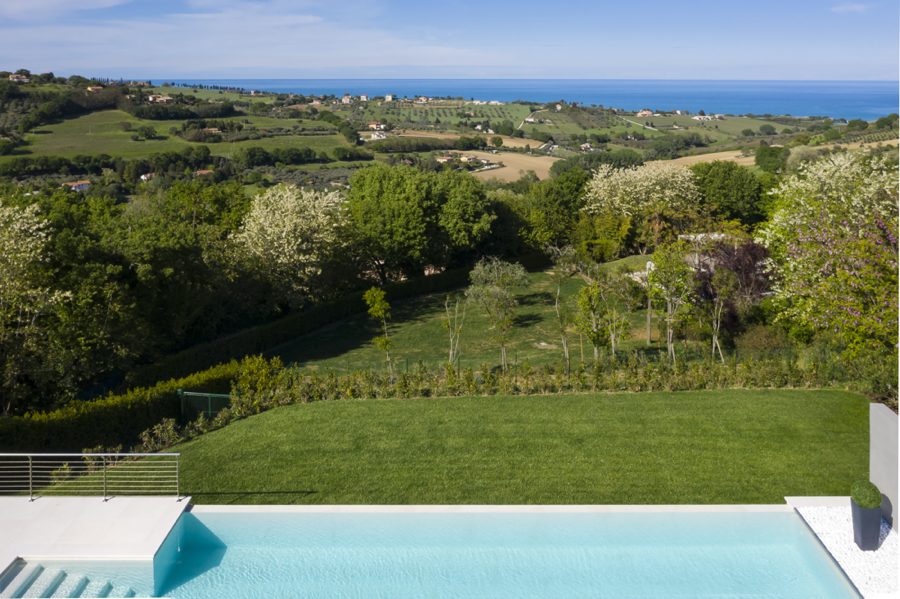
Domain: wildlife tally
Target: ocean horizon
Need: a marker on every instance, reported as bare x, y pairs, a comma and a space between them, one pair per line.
836, 99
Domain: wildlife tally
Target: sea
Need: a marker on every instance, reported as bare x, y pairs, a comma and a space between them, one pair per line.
836, 99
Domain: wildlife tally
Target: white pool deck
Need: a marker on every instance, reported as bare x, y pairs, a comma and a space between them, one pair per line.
123, 528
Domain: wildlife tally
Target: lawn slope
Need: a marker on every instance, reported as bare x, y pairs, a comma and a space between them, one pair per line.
711, 447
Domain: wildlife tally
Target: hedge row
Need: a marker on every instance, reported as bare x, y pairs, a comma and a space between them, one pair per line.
114, 420
265, 337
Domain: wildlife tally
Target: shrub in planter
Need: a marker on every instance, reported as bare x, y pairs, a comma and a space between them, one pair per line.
866, 504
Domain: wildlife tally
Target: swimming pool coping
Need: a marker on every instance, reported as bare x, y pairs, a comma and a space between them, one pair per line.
476, 509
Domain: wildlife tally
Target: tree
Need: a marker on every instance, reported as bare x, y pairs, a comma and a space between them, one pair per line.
716, 290
771, 159
731, 189
497, 141
748, 133
766, 129
289, 231
492, 282
671, 280
655, 194
563, 268
590, 316
840, 190
26, 298
406, 220
381, 310
454, 325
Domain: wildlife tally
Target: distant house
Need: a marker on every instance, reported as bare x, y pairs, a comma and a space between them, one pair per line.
645, 112
530, 119
317, 102
389, 97
211, 130
720, 117
204, 172
346, 100
558, 107
19, 79
422, 99
477, 102
363, 98
78, 185
443, 159
375, 125
495, 103
95, 88
378, 135
703, 118
140, 84
468, 158
484, 160
490, 131
586, 146
478, 127
677, 112
147, 177
160, 99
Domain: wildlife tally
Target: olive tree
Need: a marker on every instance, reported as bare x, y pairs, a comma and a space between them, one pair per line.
671, 281
492, 283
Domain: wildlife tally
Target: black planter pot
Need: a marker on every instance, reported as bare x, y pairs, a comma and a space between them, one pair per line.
866, 526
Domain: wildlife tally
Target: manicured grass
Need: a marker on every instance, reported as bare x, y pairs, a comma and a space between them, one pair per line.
710, 447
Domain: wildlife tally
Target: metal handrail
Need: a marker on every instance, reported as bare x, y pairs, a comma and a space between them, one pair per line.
91, 474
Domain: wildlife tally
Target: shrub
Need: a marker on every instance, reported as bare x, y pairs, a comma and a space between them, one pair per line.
113, 420
865, 494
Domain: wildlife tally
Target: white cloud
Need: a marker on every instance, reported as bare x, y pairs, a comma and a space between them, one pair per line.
39, 9
850, 8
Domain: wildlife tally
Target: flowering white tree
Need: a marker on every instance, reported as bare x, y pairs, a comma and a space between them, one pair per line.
24, 300
289, 230
649, 191
843, 189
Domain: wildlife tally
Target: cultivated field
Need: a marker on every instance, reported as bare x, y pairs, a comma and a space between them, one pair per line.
513, 163
511, 142
737, 156
99, 133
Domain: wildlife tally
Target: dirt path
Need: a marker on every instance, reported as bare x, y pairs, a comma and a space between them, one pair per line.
639, 125
735, 155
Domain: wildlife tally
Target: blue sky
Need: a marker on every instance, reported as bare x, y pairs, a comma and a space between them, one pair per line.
787, 39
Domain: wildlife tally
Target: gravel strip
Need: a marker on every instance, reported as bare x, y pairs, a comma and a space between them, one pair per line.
873, 572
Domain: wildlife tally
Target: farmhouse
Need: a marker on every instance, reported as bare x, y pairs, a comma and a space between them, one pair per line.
78, 185
702, 118
317, 102
19, 79
443, 159
586, 146
363, 98
645, 112
95, 88
160, 99
468, 158
422, 99
375, 125
495, 103
346, 100
484, 160
147, 177
388, 97
530, 119
204, 172
378, 135
558, 107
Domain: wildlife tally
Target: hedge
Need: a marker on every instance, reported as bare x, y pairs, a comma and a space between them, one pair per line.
265, 337
111, 421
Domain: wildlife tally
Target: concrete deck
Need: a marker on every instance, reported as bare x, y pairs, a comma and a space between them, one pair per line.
120, 528
481, 509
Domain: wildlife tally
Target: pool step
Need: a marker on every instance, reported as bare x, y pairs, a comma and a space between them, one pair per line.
33, 580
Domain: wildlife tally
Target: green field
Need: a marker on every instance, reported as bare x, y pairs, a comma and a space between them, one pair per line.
401, 112
99, 132
208, 94
418, 334
710, 447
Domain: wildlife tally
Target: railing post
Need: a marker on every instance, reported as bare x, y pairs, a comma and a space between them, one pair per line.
104, 478
30, 485
177, 477
181, 402
209, 406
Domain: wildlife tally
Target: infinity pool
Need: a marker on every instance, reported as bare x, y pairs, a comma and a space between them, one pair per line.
514, 555
461, 555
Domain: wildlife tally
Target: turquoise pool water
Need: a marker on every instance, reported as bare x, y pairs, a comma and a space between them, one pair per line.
511, 555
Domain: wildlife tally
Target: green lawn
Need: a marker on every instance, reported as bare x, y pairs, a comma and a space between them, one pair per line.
711, 447
417, 332
99, 132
